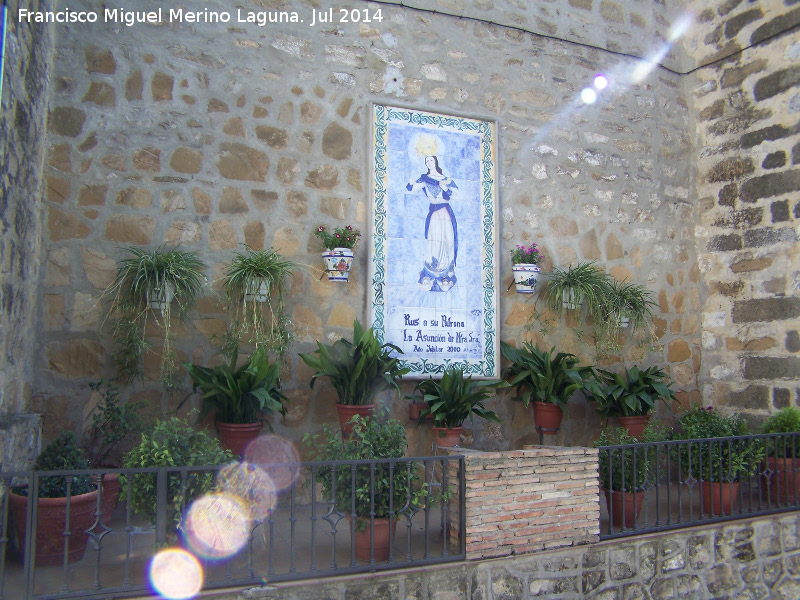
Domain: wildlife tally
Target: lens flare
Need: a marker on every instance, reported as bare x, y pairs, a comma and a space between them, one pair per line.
252, 485
588, 96
176, 574
277, 457
600, 82
217, 525
680, 27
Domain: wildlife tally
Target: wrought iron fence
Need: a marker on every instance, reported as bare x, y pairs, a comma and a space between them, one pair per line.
239, 524
667, 485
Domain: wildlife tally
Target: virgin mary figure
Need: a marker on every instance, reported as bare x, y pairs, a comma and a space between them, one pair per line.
441, 229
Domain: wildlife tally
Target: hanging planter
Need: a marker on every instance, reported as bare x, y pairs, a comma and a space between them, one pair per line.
258, 293
339, 250
525, 277
569, 299
158, 298
337, 263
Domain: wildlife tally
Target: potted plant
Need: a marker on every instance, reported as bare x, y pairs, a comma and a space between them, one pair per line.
55, 493
358, 370
582, 285
783, 455
111, 423
526, 272
452, 399
339, 250
718, 464
629, 395
255, 284
546, 380
239, 396
147, 282
171, 443
627, 304
626, 472
360, 492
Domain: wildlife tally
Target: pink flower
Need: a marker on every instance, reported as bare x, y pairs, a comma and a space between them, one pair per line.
321, 228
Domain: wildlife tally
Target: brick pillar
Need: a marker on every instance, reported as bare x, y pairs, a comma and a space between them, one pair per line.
528, 500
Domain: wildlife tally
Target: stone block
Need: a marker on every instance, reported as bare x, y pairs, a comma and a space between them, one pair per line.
92, 195
232, 202
505, 585
730, 169
275, 138
202, 202
792, 342
297, 203
130, 229
747, 265
100, 93
147, 159
217, 105
735, 76
254, 234
774, 160
771, 367
765, 236
134, 86
161, 87
76, 358
66, 120
186, 160
776, 83
752, 397
325, 177
725, 243
99, 61
287, 170
766, 309
222, 235
771, 133
728, 195
238, 161
182, 232
612, 11
134, 197
235, 127
63, 225
99, 269
337, 142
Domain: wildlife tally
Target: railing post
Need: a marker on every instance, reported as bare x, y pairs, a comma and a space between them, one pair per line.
161, 507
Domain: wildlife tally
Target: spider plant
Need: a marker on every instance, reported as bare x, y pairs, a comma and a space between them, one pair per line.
584, 284
147, 282
628, 303
255, 281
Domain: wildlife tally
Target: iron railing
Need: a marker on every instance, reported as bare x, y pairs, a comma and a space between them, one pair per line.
676, 484
298, 527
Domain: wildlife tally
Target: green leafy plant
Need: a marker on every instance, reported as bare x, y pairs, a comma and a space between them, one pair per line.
630, 468
373, 438
629, 301
144, 279
541, 377
358, 370
786, 420
526, 254
342, 237
255, 284
453, 398
583, 284
112, 422
172, 443
632, 393
240, 395
62, 454
716, 460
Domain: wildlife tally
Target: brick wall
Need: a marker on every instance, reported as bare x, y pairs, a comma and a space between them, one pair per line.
528, 500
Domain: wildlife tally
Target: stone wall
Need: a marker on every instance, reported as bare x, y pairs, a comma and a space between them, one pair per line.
213, 135
525, 501
22, 121
758, 558
748, 148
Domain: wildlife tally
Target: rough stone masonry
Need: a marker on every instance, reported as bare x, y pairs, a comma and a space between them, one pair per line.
213, 135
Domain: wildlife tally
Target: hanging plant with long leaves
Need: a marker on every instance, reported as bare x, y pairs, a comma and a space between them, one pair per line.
146, 284
255, 287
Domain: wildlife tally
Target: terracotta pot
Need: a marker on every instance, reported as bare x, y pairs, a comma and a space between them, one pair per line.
525, 277
348, 411
235, 437
635, 425
547, 416
625, 505
50, 525
447, 437
783, 480
719, 498
414, 410
361, 541
337, 263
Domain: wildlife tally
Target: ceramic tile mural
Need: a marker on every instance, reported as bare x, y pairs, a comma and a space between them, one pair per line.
433, 273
